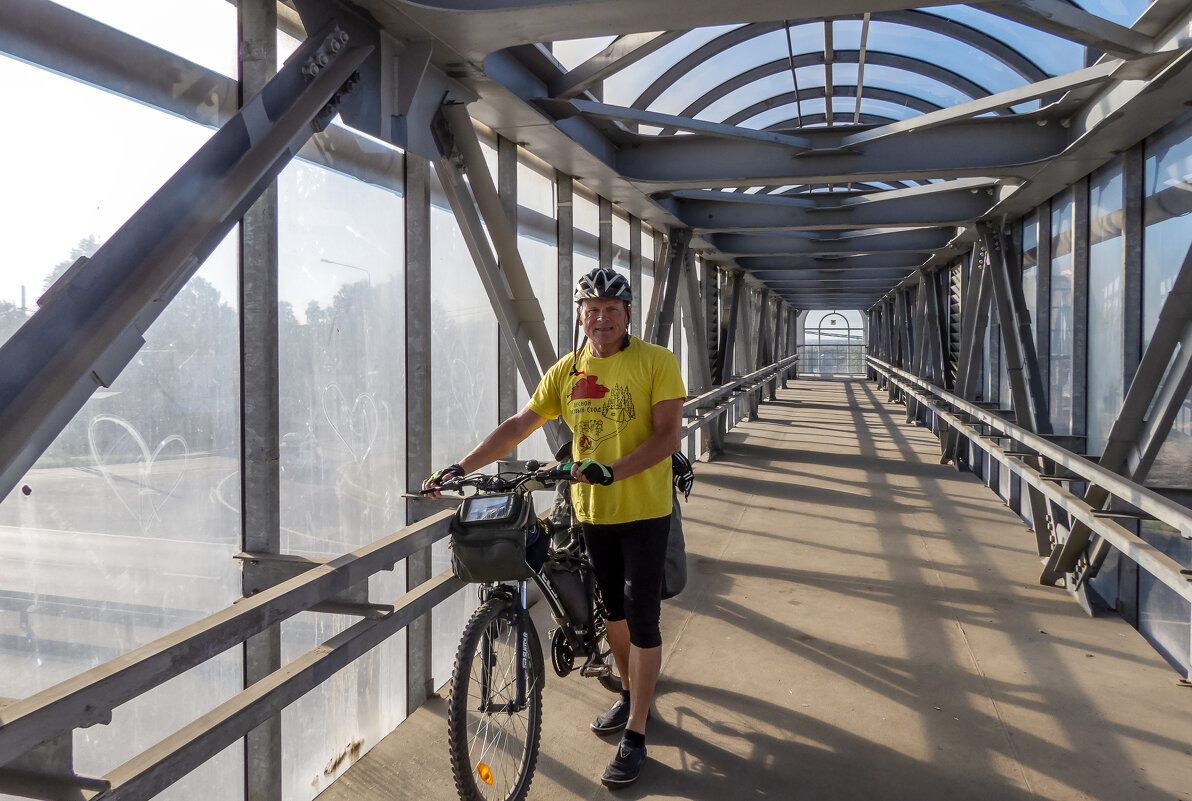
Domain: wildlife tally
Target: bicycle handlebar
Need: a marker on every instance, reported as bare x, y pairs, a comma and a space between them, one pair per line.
507, 481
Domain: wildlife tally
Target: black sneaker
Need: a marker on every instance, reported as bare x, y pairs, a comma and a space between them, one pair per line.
625, 766
613, 720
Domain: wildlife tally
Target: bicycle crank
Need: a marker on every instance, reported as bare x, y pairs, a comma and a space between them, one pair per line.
562, 656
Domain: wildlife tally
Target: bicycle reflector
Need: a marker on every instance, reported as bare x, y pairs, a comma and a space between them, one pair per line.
484, 773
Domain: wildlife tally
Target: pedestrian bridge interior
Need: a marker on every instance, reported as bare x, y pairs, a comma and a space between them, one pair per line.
928, 274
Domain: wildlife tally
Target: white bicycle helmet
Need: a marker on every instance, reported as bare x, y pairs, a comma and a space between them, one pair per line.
602, 282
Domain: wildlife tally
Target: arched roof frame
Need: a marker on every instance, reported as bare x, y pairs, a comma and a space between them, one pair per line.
840, 90
991, 46
872, 57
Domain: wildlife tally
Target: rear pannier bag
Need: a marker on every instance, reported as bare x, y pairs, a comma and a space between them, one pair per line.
496, 538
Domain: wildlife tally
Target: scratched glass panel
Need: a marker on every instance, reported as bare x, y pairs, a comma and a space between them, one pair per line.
342, 423
463, 391
1167, 217
537, 242
124, 530
1062, 286
1106, 276
1030, 267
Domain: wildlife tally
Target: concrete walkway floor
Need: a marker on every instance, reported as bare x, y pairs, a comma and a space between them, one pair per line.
861, 622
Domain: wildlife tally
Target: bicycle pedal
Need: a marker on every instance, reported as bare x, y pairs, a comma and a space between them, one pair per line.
595, 671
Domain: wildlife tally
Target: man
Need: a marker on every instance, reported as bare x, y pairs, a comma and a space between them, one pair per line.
623, 399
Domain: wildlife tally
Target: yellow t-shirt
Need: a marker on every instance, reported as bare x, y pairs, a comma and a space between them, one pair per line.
609, 407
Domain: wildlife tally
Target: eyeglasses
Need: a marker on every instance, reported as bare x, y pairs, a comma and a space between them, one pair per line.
607, 311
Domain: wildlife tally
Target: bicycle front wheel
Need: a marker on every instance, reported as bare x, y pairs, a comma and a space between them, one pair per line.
494, 716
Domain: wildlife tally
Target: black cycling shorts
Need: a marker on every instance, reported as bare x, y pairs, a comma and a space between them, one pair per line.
628, 560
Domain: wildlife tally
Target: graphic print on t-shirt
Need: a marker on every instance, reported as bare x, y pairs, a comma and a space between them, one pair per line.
614, 406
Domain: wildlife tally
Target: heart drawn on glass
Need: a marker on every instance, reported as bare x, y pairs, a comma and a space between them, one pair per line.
129, 472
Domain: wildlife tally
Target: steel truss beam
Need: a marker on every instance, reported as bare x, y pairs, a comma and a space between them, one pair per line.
843, 244
91, 321
974, 313
561, 110
509, 289
945, 204
666, 288
1002, 147
901, 262
1022, 369
1012, 97
1154, 399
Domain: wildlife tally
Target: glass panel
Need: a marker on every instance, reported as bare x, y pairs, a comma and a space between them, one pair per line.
586, 221
1107, 259
1164, 617
624, 87
620, 241
342, 421
131, 520
1052, 53
646, 290
202, 31
1060, 371
1167, 216
959, 57
573, 52
1123, 12
463, 390
535, 189
541, 259
1030, 267
807, 38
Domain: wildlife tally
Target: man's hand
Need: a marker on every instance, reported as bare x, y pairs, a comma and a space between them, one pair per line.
437, 478
590, 471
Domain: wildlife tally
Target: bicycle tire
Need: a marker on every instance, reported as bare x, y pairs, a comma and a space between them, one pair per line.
500, 745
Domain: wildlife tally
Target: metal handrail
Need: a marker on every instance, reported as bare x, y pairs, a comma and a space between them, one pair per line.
707, 407
89, 697
1151, 559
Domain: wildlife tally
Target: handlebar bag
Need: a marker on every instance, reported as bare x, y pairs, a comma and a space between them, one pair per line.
496, 538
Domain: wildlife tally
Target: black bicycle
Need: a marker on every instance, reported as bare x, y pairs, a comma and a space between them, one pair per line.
494, 714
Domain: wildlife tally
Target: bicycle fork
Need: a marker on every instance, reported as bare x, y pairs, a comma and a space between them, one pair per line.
521, 659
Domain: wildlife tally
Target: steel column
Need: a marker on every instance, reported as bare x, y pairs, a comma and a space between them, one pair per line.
1080, 309
507, 404
419, 411
91, 321
734, 318
260, 470
635, 273
605, 246
565, 216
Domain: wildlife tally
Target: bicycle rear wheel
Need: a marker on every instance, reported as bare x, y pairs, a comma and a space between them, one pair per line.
493, 735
